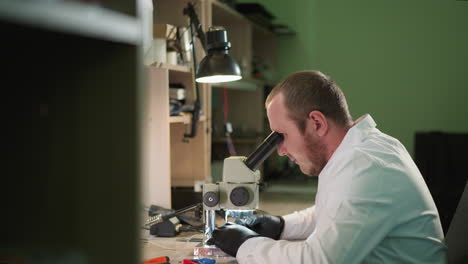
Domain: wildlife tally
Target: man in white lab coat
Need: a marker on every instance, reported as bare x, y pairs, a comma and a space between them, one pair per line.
372, 204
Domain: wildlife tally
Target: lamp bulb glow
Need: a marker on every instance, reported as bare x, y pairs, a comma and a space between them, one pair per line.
219, 78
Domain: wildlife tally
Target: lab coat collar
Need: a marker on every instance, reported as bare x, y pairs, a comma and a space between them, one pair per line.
365, 122
360, 129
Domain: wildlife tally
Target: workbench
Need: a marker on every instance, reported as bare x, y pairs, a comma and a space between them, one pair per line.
176, 248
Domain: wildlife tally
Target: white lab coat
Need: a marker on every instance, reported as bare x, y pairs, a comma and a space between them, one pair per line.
372, 206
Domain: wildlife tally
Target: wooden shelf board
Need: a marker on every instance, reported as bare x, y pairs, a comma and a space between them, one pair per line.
184, 118
229, 11
172, 67
233, 13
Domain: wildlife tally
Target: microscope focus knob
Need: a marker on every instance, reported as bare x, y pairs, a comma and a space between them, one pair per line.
210, 199
239, 196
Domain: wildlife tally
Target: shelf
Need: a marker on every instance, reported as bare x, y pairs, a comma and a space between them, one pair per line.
229, 10
73, 18
184, 118
172, 67
235, 14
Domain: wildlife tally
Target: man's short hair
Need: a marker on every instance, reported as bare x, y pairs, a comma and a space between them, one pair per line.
308, 91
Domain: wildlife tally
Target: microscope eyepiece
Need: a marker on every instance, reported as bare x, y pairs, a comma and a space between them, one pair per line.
264, 150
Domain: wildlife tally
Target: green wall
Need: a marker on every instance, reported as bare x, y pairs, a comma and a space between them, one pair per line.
404, 62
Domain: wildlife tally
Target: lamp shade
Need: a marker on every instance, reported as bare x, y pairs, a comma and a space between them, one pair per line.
218, 66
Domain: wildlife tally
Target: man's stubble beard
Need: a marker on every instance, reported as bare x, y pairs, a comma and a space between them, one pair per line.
316, 155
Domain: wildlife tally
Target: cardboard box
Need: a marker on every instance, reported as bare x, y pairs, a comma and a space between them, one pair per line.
164, 31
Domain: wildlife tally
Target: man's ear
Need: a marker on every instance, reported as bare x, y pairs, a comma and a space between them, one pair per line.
319, 123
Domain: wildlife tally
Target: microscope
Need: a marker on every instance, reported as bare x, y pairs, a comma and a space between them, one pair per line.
237, 194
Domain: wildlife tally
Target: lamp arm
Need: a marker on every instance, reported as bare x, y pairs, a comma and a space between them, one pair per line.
195, 23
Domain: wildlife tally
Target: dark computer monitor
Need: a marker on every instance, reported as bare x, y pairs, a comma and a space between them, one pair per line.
442, 159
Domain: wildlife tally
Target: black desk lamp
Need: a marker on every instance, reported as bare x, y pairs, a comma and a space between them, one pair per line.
216, 67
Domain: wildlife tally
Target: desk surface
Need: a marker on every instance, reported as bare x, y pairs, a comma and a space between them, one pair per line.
174, 248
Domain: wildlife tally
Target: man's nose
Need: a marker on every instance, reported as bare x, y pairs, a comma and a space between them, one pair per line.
281, 149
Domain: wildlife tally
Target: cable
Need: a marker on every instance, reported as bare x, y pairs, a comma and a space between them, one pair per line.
225, 104
159, 218
189, 241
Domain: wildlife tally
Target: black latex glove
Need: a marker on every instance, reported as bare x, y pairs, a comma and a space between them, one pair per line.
230, 237
265, 225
